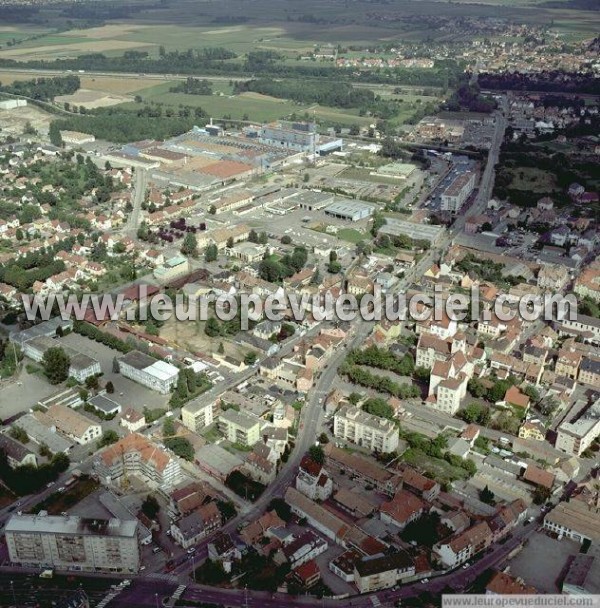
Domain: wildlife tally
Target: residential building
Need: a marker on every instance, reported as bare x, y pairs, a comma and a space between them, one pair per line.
137, 455
577, 434
75, 426
403, 509
239, 428
16, 453
532, 429
133, 420
463, 546
302, 549
313, 481
552, 277
503, 583
383, 571
371, 432
307, 575
148, 371
73, 543
197, 414
191, 528
589, 372
425, 488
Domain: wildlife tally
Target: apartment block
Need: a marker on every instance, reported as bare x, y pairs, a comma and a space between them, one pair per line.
577, 435
368, 431
73, 543
197, 415
239, 428
136, 455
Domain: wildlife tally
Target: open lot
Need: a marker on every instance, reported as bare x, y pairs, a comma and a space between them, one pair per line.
542, 562
92, 99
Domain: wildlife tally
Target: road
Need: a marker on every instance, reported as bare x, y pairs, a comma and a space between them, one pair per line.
142, 593
139, 193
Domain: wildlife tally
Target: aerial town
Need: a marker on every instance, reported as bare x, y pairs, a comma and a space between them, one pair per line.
228, 459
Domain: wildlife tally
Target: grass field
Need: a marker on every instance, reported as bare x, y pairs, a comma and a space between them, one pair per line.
533, 180
253, 106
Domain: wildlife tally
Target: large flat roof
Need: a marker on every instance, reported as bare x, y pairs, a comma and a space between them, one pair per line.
75, 525
396, 227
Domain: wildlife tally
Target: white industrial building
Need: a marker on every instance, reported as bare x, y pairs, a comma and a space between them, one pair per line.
157, 375
350, 210
455, 195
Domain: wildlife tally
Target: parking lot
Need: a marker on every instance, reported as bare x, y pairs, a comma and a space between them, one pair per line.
543, 561
126, 392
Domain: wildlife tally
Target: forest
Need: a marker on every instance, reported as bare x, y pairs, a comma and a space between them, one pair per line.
43, 89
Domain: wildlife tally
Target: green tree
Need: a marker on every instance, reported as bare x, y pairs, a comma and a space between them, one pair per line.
150, 506
487, 496
181, 446
212, 327
108, 437
190, 245
250, 358
211, 253
56, 363
316, 453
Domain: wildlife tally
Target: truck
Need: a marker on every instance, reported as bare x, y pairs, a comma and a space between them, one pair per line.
47, 573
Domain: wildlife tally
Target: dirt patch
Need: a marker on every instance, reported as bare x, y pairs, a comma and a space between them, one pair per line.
109, 84
93, 99
13, 122
260, 96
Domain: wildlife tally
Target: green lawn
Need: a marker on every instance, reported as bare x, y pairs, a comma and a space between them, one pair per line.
352, 235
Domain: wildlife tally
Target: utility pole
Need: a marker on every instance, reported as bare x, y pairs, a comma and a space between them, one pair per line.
12, 587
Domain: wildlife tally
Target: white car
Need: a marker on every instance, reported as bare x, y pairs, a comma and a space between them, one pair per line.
191, 550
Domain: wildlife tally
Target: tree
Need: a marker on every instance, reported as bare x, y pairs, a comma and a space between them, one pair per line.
378, 222
250, 358
181, 447
108, 437
317, 454
190, 245
211, 253
334, 267
378, 407
212, 210
541, 495
487, 496
168, 428
221, 349
286, 239
150, 507
60, 462
56, 363
212, 328
323, 438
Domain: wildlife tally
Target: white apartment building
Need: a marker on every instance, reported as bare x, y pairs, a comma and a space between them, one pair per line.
383, 572
455, 195
239, 427
366, 430
576, 436
197, 415
73, 543
144, 369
